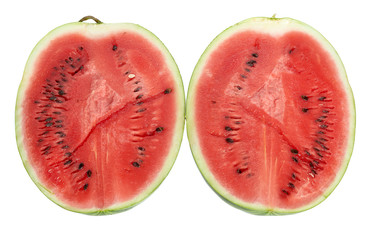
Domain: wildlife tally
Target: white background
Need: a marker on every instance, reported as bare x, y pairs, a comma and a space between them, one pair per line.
183, 207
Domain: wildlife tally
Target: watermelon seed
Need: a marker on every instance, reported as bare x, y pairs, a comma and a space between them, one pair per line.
49, 119
313, 171
291, 50
323, 126
243, 76
229, 140
213, 102
238, 87
141, 148
251, 63
227, 128
139, 103
141, 110
291, 185
49, 124
293, 176
40, 140
137, 82
46, 148
239, 171
295, 159
237, 122
320, 132
52, 98
115, 47
68, 162
325, 111
46, 132
304, 110
311, 165
60, 142
89, 173
61, 92
247, 70
68, 154
285, 192
126, 73
66, 61
249, 175
57, 113
65, 147
135, 164
137, 89
255, 55
85, 186
59, 126
168, 90
36, 102
59, 121
61, 134
80, 166
139, 96
319, 154
159, 129
294, 151
80, 48
304, 97
322, 98
307, 153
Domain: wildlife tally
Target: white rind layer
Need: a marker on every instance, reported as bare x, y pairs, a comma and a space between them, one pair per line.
275, 27
93, 30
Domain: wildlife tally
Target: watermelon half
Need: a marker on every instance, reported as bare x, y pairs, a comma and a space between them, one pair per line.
271, 116
99, 115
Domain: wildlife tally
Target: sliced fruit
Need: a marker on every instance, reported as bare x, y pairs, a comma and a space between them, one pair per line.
99, 115
271, 116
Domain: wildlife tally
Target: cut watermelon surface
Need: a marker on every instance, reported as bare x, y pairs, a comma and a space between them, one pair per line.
271, 116
99, 116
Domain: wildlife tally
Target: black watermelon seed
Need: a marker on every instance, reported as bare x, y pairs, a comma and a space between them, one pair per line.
313, 171
291, 50
304, 110
239, 171
291, 185
59, 126
168, 90
135, 164
46, 132
255, 55
80, 48
52, 98
80, 166
61, 92
311, 165
319, 154
40, 140
49, 124
60, 142
141, 110
47, 148
227, 128
247, 70
293, 176
57, 113
64, 80
137, 89
89, 173
251, 63
229, 140
323, 126
159, 129
243, 76
139, 96
36, 102
141, 148
295, 159
307, 153
85, 186
294, 151
285, 192
325, 111
304, 97
238, 87
322, 98
115, 47
59, 121
139, 103
68, 154
68, 162
49, 119
65, 146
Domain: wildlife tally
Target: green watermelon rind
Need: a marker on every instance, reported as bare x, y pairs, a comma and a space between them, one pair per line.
277, 26
177, 138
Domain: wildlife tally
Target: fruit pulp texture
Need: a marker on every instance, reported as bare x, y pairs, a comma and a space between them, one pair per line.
98, 118
271, 118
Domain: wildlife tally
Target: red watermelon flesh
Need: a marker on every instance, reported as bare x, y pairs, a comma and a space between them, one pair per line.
271, 116
100, 111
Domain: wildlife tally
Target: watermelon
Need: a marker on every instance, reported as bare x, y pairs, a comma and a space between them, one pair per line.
271, 116
99, 115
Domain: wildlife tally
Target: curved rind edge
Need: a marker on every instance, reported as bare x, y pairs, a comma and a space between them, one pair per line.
258, 23
177, 138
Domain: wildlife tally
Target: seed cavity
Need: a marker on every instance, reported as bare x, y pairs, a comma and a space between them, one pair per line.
131, 76
159, 129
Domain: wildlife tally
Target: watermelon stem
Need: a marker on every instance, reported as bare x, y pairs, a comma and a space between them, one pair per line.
90, 17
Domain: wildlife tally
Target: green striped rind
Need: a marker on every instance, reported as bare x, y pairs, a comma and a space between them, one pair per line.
274, 27
97, 31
